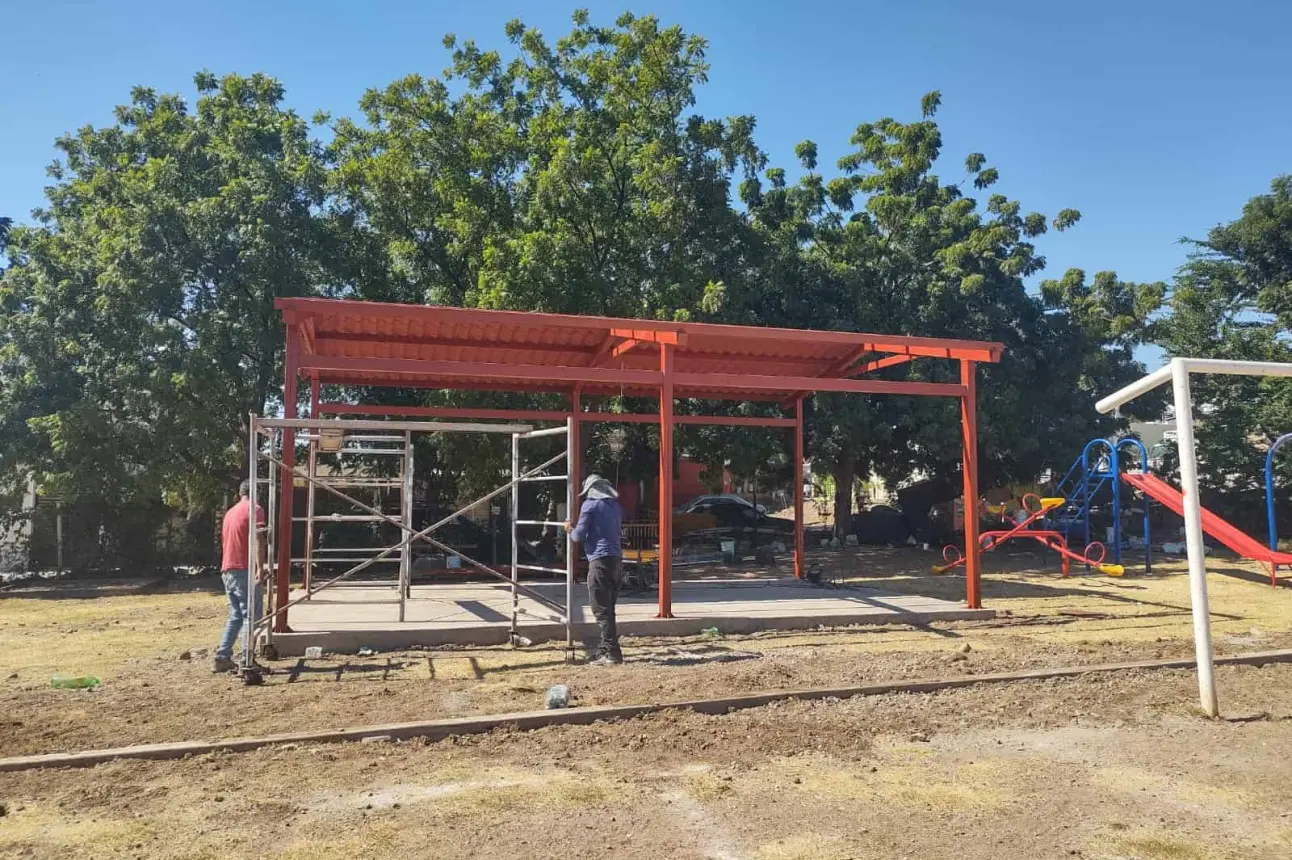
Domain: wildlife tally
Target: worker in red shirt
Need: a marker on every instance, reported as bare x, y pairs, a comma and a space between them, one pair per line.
236, 569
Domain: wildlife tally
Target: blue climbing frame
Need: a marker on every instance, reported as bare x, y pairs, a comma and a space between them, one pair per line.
1088, 475
1269, 488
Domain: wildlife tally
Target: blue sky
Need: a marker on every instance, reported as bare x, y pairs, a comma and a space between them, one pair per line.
1155, 119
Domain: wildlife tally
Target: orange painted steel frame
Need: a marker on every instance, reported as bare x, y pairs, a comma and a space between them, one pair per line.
412, 346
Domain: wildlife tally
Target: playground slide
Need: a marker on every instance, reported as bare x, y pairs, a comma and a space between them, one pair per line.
1228, 534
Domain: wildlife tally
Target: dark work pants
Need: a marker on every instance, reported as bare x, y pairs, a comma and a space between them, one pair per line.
605, 575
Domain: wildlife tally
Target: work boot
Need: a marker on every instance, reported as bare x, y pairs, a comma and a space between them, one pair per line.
607, 660
220, 665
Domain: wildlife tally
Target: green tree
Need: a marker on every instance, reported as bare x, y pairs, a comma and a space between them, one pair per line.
569, 178
887, 246
138, 327
574, 177
1233, 300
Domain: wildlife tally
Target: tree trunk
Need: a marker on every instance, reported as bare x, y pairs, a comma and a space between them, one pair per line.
844, 476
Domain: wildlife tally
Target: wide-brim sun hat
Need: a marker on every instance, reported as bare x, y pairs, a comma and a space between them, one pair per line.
597, 487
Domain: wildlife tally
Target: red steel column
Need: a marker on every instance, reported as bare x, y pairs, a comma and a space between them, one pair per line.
969, 436
798, 489
287, 482
666, 482
314, 395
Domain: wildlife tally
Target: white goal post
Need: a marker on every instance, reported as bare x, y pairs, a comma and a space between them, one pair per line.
1177, 372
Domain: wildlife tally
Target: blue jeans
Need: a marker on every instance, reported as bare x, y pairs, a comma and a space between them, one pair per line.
236, 588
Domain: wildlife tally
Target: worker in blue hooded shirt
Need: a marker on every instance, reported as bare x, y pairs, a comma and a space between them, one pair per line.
599, 531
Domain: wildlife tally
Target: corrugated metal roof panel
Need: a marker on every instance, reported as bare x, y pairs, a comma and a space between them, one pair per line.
380, 344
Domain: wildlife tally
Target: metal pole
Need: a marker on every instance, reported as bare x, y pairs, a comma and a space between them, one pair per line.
666, 482
571, 457
406, 510
58, 536
1269, 489
1114, 463
253, 542
310, 512
283, 537
309, 489
798, 489
271, 534
515, 536
1193, 537
969, 466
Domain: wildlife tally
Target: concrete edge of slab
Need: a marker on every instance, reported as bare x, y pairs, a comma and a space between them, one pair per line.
341, 641
530, 720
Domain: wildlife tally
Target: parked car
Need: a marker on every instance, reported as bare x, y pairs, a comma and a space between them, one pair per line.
689, 507
881, 525
737, 515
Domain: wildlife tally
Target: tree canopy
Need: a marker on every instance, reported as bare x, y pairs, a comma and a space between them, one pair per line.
1233, 299
571, 175
138, 328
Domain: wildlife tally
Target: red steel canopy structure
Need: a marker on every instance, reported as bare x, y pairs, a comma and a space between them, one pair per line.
339, 342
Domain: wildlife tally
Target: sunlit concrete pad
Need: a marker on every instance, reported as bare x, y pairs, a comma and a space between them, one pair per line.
349, 618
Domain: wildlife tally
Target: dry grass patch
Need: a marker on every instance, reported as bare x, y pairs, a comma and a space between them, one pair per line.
809, 846
378, 839
970, 786
1134, 781
1150, 845
36, 827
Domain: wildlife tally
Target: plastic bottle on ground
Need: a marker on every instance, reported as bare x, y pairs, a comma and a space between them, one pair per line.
558, 696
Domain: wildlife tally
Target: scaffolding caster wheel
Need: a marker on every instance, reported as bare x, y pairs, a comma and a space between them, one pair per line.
252, 677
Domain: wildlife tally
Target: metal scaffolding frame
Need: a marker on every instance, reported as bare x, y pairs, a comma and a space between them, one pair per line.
570, 561
362, 444
277, 431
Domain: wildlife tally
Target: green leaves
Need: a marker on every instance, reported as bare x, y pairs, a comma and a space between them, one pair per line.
567, 175
1233, 300
143, 323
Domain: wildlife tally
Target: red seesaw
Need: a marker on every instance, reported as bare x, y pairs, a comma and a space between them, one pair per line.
988, 541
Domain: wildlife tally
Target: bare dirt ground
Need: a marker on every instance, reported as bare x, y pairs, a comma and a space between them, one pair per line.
1099, 767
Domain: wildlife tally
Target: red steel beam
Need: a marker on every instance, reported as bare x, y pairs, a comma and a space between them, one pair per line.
650, 335
733, 420
879, 363
466, 343
307, 334
791, 384
969, 436
604, 349
468, 412
624, 347
665, 561
482, 371
443, 412
840, 367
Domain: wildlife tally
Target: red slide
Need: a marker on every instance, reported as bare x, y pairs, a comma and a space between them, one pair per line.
1228, 534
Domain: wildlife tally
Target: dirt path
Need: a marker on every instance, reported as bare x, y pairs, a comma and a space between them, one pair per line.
133, 641
1108, 767
1100, 767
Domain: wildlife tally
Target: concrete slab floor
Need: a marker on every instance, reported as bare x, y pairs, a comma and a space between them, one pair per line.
347, 618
